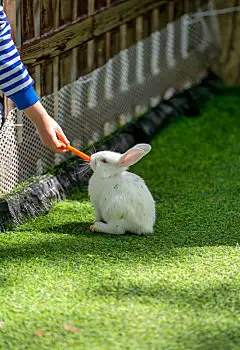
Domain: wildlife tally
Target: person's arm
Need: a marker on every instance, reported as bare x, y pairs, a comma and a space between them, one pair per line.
16, 84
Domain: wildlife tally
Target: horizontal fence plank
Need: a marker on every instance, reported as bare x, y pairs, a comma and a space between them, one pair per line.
66, 38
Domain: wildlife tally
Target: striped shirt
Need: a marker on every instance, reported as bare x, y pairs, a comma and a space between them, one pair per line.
15, 81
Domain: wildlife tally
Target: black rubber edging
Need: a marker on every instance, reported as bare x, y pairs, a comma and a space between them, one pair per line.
40, 193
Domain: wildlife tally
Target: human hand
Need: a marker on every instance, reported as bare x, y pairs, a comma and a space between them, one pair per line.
48, 129
51, 134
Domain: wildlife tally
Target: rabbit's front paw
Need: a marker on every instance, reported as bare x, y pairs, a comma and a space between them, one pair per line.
111, 228
92, 228
97, 226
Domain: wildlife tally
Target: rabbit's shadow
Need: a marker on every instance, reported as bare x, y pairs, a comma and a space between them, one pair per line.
72, 228
82, 229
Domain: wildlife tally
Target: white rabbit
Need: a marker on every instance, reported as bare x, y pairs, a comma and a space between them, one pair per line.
121, 200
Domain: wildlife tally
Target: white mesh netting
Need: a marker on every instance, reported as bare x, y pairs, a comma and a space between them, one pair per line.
125, 86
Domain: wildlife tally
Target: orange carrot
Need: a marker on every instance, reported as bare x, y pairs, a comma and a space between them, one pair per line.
78, 153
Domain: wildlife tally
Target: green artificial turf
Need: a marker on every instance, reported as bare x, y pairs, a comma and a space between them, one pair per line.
62, 286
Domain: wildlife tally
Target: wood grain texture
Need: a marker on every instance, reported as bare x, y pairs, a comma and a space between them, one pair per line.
155, 22
171, 12
65, 64
131, 33
179, 8
163, 16
69, 37
66, 58
108, 37
47, 78
228, 66
49, 20
115, 42
123, 37
56, 9
66, 12
27, 20
46, 23
91, 56
147, 18
82, 60
100, 44
47, 16
82, 8
10, 9
100, 4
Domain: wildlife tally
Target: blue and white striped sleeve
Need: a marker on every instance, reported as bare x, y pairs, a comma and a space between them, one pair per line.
15, 81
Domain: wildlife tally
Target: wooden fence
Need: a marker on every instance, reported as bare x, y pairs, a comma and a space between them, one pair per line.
229, 24
60, 40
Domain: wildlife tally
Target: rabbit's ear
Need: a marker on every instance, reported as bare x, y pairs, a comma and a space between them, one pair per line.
133, 155
143, 146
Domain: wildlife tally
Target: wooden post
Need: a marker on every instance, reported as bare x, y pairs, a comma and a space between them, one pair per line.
10, 8
75, 50
56, 60
108, 38
82, 60
91, 43
36, 34
228, 67
156, 47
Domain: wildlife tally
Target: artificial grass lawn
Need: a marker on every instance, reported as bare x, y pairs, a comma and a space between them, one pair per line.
177, 289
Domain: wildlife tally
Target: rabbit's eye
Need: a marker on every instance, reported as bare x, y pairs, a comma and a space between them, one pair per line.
104, 161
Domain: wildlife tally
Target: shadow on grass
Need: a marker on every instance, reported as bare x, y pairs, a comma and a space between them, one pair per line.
75, 238
54, 241
208, 337
197, 298
212, 338
211, 308
72, 228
